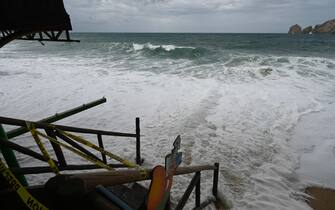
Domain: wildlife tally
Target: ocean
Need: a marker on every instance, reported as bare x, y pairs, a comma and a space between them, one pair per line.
262, 105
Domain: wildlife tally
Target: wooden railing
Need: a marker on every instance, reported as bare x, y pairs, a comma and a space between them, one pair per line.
61, 162
89, 181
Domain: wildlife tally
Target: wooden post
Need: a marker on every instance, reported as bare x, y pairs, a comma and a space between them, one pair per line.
10, 157
197, 191
57, 149
76, 145
138, 142
216, 180
183, 200
23, 150
101, 145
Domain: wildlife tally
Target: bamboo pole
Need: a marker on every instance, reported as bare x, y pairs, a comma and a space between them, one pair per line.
19, 131
20, 122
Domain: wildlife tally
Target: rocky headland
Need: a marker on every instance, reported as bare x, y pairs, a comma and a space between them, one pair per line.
326, 27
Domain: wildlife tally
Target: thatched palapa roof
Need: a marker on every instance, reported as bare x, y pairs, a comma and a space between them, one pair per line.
33, 15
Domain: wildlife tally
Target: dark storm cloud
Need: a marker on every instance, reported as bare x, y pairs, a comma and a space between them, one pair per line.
197, 15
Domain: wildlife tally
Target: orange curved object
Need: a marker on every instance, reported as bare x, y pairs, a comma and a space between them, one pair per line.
157, 188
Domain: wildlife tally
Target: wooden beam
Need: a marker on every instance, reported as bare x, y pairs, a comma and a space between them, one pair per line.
117, 177
20, 122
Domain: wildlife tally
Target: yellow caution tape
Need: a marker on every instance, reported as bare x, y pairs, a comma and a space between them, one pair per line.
81, 140
81, 154
111, 155
51, 163
31, 202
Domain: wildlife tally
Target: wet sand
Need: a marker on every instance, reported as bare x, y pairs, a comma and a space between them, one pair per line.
322, 199
314, 139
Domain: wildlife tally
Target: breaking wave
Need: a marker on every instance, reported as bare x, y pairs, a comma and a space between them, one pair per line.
153, 47
170, 51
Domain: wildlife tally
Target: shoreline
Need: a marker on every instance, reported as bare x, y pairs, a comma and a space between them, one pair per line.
314, 141
321, 198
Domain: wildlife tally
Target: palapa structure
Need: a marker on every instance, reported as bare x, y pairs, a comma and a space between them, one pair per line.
41, 20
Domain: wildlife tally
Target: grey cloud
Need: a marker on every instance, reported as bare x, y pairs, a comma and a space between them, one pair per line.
181, 15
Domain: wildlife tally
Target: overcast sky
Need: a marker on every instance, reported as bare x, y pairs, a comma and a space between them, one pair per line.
196, 15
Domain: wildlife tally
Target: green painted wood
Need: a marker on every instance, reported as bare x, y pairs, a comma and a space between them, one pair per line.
10, 157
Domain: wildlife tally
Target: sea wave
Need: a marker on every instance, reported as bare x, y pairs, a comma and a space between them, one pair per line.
153, 47
169, 51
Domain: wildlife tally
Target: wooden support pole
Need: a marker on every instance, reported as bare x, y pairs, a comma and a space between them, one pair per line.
23, 150
67, 34
58, 34
139, 160
183, 200
198, 191
57, 149
216, 180
101, 145
76, 145
10, 157
12, 36
204, 204
53, 35
48, 35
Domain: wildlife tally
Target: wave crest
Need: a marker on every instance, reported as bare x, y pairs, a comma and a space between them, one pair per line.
171, 51
150, 46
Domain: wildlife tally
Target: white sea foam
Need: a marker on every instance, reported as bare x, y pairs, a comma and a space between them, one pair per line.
150, 46
240, 112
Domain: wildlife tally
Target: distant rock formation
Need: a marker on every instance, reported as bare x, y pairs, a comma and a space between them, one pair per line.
326, 27
307, 30
295, 29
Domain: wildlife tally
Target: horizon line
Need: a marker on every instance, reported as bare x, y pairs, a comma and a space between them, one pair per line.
133, 32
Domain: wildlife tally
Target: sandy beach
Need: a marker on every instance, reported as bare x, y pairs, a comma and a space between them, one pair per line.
314, 140
322, 198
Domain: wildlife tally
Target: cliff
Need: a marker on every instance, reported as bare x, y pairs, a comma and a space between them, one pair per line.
326, 27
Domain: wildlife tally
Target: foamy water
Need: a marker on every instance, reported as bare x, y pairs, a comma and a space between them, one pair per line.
234, 99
